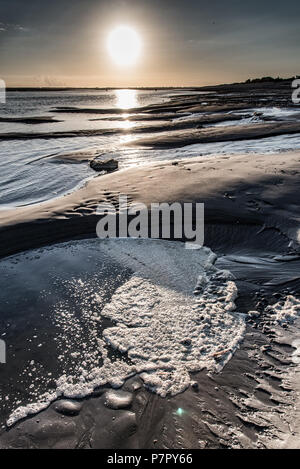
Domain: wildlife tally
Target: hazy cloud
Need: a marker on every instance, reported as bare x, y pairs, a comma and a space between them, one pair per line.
8, 27
190, 42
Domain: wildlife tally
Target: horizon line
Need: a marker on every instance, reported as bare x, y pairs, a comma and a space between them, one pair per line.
65, 88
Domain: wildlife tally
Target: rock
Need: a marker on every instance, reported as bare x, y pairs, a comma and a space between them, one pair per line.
67, 407
104, 165
118, 399
195, 385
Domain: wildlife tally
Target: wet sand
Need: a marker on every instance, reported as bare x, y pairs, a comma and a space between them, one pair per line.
177, 138
252, 219
30, 120
252, 189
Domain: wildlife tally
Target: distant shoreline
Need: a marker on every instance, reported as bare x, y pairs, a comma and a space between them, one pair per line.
255, 83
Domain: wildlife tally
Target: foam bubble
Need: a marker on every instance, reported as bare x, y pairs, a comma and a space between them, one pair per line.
285, 311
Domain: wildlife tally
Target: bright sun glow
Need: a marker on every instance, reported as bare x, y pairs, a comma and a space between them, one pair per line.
126, 99
124, 46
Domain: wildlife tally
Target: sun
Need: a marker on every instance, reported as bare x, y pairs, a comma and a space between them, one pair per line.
124, 45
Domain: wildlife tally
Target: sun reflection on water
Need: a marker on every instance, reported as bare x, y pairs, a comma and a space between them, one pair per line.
128, 138
126, 124
126, 99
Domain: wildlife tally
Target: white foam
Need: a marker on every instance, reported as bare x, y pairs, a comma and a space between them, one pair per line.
278, 112
175, 315
286, 311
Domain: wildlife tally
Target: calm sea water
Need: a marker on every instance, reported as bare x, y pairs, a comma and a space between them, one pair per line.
29, 174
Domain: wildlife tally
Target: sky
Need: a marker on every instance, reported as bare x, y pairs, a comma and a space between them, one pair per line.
184, 42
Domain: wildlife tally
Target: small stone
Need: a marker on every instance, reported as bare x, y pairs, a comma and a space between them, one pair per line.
68, 407
104, 165
195, 385
118, 399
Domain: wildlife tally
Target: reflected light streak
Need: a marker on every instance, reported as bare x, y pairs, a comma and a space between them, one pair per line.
126, 99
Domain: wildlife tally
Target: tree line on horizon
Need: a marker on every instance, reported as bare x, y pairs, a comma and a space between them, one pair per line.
268, 79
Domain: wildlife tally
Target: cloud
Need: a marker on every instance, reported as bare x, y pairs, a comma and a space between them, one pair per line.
8, 27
